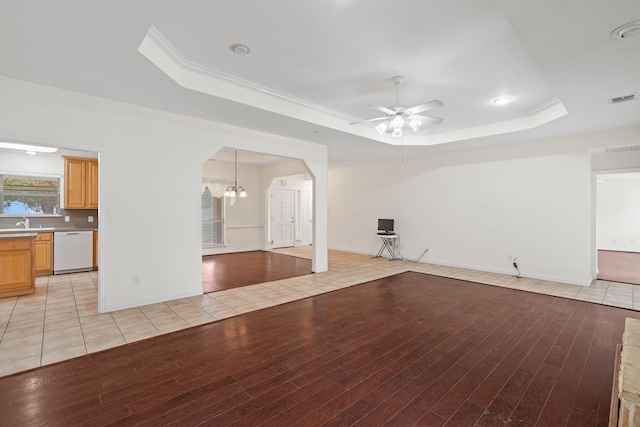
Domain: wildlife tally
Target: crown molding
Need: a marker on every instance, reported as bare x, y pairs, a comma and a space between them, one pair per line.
188, 74
186, 64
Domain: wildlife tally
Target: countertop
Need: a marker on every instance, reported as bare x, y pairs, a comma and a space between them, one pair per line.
16, 231
18, 235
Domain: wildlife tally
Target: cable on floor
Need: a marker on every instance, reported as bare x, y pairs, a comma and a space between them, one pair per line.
407, 259
515, 265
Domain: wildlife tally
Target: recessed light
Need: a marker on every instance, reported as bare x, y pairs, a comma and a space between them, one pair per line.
627, 30
25, 147
240, 49
502, 100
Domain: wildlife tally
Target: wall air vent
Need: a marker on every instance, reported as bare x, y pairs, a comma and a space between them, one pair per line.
623, 149
626, 98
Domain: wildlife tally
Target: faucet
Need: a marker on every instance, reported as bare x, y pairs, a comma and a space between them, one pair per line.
25, 222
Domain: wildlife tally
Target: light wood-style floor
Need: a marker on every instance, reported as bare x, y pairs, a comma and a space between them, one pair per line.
60, 321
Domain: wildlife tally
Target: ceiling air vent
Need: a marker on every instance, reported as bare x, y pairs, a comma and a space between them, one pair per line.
623, 149
620, 99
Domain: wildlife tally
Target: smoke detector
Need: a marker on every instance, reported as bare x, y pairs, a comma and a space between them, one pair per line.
627, 30
240, 49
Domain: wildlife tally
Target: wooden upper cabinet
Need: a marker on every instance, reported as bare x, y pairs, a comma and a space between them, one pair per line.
80, 183
92, 184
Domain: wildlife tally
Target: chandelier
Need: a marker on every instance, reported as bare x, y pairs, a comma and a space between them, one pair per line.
235, 190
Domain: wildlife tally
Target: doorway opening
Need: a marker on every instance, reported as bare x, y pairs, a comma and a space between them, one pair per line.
290, 211
278, 204
618, 226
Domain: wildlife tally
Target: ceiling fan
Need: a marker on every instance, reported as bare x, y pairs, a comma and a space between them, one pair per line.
399, 116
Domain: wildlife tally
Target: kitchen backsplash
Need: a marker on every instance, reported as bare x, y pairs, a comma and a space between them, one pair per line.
78, 218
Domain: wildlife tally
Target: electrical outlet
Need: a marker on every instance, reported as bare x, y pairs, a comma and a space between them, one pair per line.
67, 218
90, 218
136, 281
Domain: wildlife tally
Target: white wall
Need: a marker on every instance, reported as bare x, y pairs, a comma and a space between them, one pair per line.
473, 208
146, 155
618, 210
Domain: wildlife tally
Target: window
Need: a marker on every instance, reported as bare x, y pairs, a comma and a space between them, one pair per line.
29, 195
212, 219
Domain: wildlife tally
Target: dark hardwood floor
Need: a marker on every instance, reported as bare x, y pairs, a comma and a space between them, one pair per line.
228, 271
411, 349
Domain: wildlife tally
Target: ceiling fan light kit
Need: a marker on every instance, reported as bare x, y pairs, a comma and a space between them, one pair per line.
398, 116
415, 125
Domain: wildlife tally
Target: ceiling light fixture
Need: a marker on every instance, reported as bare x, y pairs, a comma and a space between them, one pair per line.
398, 116
627, 30
27, 148
240, 49
503, 100
234, 190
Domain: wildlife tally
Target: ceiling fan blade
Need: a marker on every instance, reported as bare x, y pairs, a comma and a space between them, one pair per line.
427, 119
377, 119
424, 107
383, 109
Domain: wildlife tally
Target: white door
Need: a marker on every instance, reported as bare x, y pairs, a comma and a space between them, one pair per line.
282, 218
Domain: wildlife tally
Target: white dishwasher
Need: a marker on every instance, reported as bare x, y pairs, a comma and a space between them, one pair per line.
72, 251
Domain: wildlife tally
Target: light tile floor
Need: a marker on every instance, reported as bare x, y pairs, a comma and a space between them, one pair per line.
60, 321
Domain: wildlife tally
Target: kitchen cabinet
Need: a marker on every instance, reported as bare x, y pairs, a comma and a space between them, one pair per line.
80, 183
17, 266
92, 183
95, 249
44, 254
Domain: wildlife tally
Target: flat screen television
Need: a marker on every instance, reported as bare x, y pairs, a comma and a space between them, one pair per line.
385, 226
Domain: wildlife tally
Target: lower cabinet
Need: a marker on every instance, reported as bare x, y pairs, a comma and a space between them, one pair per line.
44, 254
17, 266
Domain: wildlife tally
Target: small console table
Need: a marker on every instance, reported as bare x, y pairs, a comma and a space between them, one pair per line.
390, 243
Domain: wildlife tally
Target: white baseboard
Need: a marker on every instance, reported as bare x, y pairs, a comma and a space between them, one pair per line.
155, 300
486, 270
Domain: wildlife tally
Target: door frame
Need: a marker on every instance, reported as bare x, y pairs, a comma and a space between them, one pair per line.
595, 175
